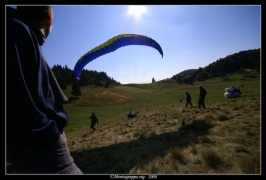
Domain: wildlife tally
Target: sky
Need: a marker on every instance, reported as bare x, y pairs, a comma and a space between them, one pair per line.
191, 36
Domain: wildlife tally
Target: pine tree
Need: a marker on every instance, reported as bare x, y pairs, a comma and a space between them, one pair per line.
75, 88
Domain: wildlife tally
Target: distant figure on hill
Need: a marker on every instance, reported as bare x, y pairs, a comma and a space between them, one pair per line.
202, 95
94, 120
188, 98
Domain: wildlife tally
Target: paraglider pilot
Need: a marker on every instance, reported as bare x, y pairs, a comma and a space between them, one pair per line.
188, 98
94, 120
202, 95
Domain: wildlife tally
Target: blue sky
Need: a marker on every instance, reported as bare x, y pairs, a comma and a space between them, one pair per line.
191, 36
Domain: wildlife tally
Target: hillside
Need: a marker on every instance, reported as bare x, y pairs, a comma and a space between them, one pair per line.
165, 137
234, 63
186, 72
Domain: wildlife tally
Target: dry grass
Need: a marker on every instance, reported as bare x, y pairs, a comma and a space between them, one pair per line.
166, 139
171, 139
95, 96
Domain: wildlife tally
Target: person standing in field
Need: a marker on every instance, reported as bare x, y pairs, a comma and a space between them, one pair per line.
202, 95
188, 98
94, 121
35, 117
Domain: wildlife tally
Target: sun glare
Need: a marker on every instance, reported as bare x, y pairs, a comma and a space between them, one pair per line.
136, 11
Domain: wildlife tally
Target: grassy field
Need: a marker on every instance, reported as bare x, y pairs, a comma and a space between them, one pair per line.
165, 137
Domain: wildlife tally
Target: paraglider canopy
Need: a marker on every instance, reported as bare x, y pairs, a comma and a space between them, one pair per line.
112, 45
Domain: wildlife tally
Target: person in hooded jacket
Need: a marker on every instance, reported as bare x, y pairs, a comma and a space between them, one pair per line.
35, 117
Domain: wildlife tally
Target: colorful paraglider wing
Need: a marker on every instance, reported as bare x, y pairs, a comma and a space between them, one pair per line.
112, 45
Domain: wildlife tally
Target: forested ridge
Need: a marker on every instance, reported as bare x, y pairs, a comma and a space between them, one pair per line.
235, 63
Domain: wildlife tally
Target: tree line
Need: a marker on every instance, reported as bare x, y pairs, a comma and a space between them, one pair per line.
238, 62
65, 77
235, 63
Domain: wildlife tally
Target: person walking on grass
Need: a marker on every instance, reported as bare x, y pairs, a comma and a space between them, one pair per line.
35, 117
94, 121
202, 95
188, 98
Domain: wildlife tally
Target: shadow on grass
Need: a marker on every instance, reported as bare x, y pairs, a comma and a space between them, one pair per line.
122, 157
